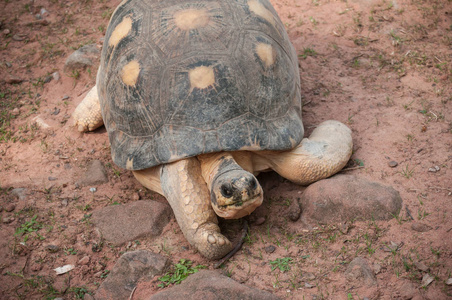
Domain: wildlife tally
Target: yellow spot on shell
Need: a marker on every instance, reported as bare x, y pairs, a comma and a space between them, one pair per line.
266, 53
260, 10
120, 32
191, 19
201, 77
130, 73
129, 164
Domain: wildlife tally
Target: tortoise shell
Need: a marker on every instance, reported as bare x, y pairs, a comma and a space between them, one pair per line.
181, 78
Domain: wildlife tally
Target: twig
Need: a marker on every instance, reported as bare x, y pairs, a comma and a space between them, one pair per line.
131, 294
408, 212
237, 246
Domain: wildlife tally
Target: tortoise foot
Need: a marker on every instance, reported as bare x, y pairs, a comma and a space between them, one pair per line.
211, 243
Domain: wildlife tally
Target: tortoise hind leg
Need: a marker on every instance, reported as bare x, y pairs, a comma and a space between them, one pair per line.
186, 191
87, 116
323, 154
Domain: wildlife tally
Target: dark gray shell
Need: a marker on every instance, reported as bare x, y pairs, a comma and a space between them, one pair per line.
162, 114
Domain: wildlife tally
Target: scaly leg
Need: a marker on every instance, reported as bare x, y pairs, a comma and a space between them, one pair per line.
182, 184
87, 116
323, 154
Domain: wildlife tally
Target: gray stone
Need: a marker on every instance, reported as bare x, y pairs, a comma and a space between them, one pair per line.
346, 197
420, 227
120, 224
359, 271
129, 269
94, 175
211, 285
83, 57
19, 193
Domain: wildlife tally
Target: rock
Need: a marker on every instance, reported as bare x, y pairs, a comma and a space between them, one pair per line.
294, 210
8, 219
40, 122
19, 193
50, 178
120, 224
426, 280
13, 80
270, 249
129, 269
6, 31
94, 175
210, 285
421, 266
8, 64
84, 260
407, 291
359, 271
56, 76
83, 57
449, 281
52, 248
19, 37
393, 164
347, 197
9, 207
15, 112
434, 169
420, 227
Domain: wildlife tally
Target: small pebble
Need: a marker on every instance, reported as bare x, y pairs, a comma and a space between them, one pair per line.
420, 227
64, 202
393, 164
19, 37
52, 178
15, 112
136, 196
421, 266
6, 31
9, 207
38, 16
84, 260
65, 97
13, 80
434, 169
308, 285
48, 79
52, 248
8, 219
92, 190
449, 281
8, 64
56, 76
270, 249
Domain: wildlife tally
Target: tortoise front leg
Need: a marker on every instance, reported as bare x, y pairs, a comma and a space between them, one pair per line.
322, 155
186, 191
87, 116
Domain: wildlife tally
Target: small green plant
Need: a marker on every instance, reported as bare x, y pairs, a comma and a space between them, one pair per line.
79, 292
28, 227
307, 52
70, 251
407, 172
104, 274
283, 264
180, 271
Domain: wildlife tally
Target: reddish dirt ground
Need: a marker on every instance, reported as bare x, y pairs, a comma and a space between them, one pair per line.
381, 67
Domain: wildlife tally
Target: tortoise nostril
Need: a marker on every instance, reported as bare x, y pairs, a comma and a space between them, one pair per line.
226, 190
253, 183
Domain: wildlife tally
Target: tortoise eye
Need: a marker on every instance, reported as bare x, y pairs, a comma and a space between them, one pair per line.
226, 190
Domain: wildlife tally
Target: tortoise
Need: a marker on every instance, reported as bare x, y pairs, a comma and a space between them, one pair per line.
200, 96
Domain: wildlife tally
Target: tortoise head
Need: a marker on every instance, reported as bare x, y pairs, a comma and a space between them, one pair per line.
235, 193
